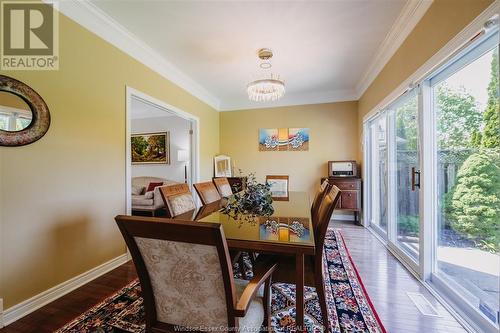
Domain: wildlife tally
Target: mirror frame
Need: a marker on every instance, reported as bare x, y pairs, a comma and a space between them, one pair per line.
40, 121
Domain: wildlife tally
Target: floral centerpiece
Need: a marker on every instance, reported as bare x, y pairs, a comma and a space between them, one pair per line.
254, 201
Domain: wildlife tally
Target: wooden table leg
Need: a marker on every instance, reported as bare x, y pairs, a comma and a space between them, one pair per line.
299, 292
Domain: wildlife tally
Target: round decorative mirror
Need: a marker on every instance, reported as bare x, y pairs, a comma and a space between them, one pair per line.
24, 116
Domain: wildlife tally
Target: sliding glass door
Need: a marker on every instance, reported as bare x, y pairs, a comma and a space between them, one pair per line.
407, 175
465, 104
435, 198
393, 175
378, 174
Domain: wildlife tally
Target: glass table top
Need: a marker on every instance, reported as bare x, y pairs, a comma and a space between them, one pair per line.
290, 223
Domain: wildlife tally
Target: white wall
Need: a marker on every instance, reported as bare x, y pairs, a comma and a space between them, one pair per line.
179, 139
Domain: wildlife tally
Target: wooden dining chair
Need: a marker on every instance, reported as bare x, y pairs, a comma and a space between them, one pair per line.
279, 186
318, 199
313, 269
223, 186
178, 199
186, 279
207, 192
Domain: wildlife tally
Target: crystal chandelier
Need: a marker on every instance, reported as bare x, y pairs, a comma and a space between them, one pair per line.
268, 88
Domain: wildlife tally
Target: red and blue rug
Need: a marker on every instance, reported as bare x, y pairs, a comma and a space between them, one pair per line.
349, 307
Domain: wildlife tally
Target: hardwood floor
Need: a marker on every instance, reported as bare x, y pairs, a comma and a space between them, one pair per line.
385, 278
54, 315
387, 281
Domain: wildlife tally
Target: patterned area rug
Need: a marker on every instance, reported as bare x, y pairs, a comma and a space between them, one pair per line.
350, 309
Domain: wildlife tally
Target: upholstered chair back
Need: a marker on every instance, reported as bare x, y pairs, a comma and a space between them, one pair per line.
223, 186
184, 270
207, 192
178, 199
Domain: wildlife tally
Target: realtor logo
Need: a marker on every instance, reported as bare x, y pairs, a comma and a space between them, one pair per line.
29, 36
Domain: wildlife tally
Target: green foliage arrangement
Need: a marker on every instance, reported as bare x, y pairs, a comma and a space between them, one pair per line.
254, 201
473, 205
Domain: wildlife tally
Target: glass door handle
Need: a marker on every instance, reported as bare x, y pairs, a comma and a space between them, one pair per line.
415, 178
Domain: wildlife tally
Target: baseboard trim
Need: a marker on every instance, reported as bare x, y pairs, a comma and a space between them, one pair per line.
24, 308
343, 217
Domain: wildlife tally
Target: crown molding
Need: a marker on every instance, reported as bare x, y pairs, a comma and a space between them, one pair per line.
441, 57
408, 18
95, 20
321, 97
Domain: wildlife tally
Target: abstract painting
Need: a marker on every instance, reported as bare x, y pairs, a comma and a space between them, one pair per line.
298, 139
268, 139
283, 139
150, 148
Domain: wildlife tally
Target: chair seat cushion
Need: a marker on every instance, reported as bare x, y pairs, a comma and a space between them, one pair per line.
140, 200
255, 314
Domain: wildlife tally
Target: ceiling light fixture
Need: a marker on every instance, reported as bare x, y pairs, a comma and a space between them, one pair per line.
269, 87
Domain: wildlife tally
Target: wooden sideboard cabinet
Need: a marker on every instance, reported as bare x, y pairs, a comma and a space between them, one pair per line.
350, 197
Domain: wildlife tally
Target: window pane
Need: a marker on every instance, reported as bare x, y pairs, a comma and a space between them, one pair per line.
22, 123
468, 182
379, 172
407, 159
4, 122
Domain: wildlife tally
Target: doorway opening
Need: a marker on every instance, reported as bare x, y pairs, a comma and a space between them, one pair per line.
161, 149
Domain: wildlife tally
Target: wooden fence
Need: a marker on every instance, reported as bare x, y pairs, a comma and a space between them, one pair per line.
449, 162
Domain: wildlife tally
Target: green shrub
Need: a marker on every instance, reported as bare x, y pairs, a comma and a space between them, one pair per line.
409, 225
473, 205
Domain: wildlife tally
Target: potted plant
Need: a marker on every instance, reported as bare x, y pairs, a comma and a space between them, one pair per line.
251, 203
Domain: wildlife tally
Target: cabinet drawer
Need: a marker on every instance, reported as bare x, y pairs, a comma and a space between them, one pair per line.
347, 184
349, 200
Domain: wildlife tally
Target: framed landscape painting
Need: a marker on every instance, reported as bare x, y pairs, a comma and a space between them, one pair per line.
150, 148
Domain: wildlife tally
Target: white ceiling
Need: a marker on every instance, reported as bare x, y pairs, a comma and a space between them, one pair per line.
323, 49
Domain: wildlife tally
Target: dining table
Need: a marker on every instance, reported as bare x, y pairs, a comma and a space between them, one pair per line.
287, 232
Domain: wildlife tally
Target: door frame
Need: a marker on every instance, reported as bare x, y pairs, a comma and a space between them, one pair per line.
194, 166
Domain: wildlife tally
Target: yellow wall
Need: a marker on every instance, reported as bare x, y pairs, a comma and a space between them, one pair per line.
333, 136
59, 195
443, 21
12, 101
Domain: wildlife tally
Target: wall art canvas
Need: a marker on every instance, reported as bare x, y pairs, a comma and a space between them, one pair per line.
150, 148
283, 139
268, 139
298, 139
